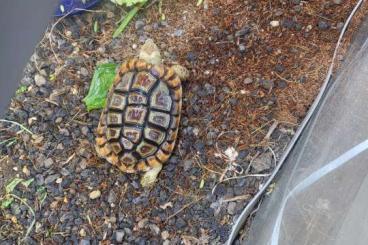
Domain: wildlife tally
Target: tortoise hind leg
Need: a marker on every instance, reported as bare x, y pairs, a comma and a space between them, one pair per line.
149, 177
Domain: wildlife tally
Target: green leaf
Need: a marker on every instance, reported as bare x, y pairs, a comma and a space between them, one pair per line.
41, 194
127, 19
22, 89
95, 26
101, 82
12, 184
128, 2
26, 183
7, 202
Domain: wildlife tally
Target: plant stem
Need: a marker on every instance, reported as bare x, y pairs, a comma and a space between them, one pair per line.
127, 19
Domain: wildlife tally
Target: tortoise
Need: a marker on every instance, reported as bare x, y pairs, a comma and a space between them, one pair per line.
139, 125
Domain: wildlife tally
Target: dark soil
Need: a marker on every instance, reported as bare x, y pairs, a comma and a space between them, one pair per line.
256, 67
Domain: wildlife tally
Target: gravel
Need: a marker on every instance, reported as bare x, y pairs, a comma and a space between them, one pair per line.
73, 187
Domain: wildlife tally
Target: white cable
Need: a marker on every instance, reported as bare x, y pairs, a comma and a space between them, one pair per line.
247, 210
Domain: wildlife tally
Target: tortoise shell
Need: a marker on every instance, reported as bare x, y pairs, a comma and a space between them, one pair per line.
139, 124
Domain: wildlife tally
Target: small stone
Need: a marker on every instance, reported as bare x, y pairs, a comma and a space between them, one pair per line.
85, 130
266, 84
58, 120
279, 68
180, 223
242, 155
51, 178
323, 25
39, 80
242, 48
85, 242
26, 171
101, 49
64, 132
155, 229
282, 84
48, 162
95, 194
243, 31
337, 2
84, 72
233, 101
165, 235
178, 32
340, 25
188, 165
209, 89
263, 162
288, 23
191, 56
82, 233
119, 235
248, 80
275, 23
231, 208
111, 197
139, 24
142, 223
59, 180
15, 208
112, 219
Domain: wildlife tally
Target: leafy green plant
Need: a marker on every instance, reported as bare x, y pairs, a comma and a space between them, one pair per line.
138, 4
8, 199
128, 2
101, 82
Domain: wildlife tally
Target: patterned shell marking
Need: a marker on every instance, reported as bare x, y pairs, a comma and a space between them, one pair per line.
138, 127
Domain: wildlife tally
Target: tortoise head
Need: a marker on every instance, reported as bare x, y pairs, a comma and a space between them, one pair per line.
150, 53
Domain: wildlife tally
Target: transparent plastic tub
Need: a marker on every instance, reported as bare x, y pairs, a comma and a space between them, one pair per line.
321, 193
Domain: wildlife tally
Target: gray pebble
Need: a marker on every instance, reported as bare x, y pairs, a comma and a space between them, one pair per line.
231, 208
323, 25
191, 56
84, 242
266, 84
282, 84
48, 163
248, 80
139, 24
40, 179
188, 165
233, 101
178, 32
209, 89
119, 235
262, 162
243, 31
112, 197
180, 223
51, 178
242, 48
85, 130
40, 80
279, 68
84, 72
